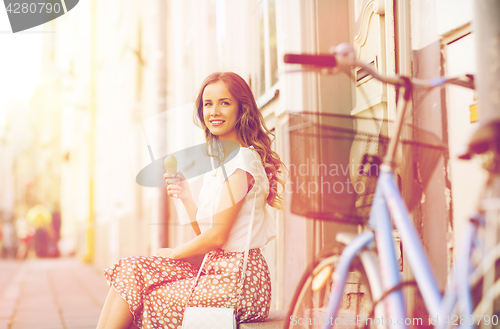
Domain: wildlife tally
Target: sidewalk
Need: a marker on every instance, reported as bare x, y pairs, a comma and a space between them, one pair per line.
50, 293
64, 293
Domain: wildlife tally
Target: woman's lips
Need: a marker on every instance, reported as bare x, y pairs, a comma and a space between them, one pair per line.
216, 123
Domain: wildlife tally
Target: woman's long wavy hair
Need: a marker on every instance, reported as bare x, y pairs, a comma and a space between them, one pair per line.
251, 130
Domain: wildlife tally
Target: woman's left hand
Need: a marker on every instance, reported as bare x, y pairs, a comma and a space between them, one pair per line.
166, 252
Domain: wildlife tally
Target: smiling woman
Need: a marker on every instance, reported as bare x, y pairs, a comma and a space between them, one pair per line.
153, 292
220, 111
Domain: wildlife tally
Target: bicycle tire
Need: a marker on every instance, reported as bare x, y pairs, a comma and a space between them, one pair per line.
308, 309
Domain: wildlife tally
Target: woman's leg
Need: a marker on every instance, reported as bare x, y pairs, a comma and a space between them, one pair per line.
115, 313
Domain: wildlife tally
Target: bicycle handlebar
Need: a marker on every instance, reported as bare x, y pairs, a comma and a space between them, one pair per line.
344, 56
321, 60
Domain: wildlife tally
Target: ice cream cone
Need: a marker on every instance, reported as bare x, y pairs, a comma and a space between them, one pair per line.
170, 164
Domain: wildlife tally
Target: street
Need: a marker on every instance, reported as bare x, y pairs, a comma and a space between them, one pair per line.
50, 293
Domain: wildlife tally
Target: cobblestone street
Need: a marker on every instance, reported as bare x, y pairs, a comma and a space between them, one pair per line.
50, 293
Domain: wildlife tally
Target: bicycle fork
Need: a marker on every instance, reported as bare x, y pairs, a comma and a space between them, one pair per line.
340, 275
381, 222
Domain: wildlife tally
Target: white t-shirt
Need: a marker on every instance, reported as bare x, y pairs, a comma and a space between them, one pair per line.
263, 229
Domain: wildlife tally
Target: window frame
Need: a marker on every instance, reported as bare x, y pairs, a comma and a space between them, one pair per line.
270, 90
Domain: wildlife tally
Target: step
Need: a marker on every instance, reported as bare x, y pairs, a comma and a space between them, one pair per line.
275, 320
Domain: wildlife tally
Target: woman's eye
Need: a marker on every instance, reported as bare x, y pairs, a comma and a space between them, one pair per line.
207, 104
225, 103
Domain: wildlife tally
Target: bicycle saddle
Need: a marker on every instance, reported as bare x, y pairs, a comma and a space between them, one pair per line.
486, 137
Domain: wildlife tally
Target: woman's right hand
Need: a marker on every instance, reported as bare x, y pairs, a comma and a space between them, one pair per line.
177, 186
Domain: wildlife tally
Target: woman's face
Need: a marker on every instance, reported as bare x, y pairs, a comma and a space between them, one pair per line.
220, 111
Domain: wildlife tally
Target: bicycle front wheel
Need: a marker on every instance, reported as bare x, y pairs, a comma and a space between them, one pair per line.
309, 304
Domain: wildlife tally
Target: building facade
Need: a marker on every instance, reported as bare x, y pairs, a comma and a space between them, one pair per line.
130, 71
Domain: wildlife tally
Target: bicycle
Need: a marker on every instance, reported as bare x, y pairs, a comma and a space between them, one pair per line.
325, 280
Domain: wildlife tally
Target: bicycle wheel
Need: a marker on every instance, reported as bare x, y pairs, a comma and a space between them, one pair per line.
309, 304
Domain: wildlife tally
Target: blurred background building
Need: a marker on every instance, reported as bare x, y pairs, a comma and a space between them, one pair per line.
113, 65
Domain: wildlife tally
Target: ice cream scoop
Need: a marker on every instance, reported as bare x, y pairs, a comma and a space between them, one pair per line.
170, 164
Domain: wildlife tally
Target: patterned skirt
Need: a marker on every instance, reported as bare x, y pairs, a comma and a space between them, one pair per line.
157, 289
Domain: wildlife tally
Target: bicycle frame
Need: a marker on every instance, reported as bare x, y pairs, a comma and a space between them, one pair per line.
388, 203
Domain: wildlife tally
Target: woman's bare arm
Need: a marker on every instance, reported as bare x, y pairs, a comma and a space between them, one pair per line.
191, 209
216, 236
178, 187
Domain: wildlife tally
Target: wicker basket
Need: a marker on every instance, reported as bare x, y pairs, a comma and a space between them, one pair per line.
327, 178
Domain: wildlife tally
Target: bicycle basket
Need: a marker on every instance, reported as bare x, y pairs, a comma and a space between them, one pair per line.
327, 178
